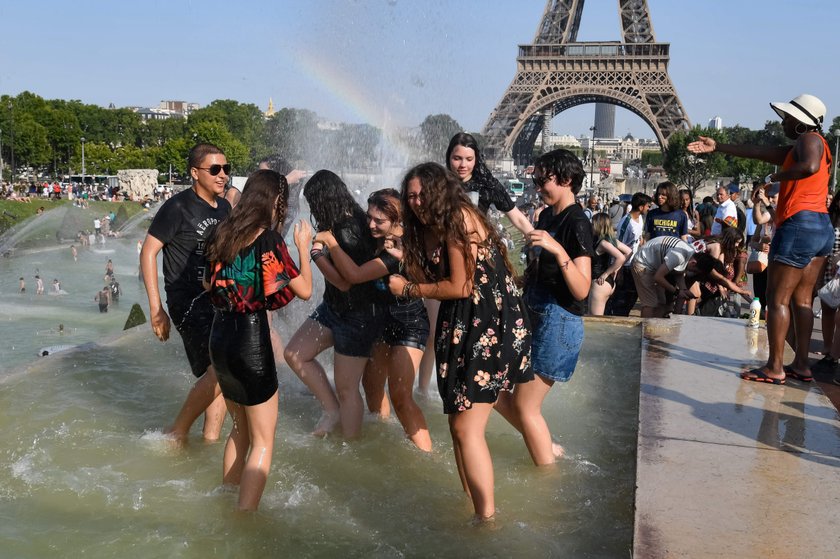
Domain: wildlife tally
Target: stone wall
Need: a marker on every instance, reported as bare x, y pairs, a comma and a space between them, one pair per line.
138, 184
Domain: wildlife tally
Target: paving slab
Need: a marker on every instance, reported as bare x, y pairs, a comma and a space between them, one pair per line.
728, 468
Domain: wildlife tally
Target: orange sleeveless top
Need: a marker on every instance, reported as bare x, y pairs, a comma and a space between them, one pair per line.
809, 193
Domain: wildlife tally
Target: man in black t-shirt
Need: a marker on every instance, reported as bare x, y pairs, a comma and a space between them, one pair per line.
180, 229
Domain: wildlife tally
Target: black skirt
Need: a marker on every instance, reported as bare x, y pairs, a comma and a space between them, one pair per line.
240, 350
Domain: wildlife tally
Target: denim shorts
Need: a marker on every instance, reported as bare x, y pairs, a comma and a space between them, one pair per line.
354, 332
407, 324
193, 322
801, 237
556, 335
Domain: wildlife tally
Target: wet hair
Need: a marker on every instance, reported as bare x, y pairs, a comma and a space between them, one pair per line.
704, 264
263, 204
444, 204
639, 199
387, 201
728, 240
672, 197
199, 152
278, 164
330, 201
481, 174
563, 165
602, 228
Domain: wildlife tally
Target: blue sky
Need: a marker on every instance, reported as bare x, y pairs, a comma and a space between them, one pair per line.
400, 60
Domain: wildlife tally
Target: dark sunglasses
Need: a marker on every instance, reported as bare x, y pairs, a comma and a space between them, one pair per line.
216, 169
540, 181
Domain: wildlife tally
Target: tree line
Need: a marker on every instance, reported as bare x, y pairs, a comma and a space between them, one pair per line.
45, 135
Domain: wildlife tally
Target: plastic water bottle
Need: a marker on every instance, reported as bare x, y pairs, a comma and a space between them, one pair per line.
755, 313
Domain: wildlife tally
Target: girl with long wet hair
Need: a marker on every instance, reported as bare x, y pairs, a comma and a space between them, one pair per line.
348, 319
453, 254
406, 325
252, 273
610, 254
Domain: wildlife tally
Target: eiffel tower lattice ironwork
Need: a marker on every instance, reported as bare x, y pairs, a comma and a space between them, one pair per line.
556, 73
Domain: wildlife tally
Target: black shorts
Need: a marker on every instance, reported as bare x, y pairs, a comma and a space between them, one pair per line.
193, 321
240, 349
407, 324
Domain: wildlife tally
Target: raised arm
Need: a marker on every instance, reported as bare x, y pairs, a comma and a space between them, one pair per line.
770, 154
301, 286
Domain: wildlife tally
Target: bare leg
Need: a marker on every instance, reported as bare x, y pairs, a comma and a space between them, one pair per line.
827, 322
348, 376
374, 379
506, 406
310, 340
403, 363
214, 418
781, 282
468, 429
201, 396
262, 423
236, 447
427, 364
803, 314
276, 340
527, 400
598, 295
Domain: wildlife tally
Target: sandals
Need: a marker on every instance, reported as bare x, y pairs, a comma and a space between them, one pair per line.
757, 375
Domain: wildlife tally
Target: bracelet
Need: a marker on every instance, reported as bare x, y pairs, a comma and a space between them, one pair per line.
315, 254
406, 292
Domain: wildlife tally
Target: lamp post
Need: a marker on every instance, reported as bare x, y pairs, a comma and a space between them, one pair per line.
1, 157
83, 162
592, 159
12, 170
836, 143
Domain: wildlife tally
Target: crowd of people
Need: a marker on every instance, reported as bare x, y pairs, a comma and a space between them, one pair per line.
423, 276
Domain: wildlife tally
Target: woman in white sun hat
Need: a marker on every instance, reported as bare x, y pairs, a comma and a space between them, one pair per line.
804, 235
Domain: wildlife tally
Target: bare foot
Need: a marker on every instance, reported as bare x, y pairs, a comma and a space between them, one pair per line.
558, 450
326, 424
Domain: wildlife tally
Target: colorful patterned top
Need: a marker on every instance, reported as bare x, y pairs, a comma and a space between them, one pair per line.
257, 279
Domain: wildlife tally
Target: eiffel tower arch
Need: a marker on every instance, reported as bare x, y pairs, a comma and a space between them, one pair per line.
556, 73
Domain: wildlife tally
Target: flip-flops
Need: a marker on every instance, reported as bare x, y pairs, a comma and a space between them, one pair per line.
789, 372
757, 375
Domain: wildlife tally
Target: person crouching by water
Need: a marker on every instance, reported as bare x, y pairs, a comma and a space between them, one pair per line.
252, 273
452, 253
557, 282
103, 298
350, 316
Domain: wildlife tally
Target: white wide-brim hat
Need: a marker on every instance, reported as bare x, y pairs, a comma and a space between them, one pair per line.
805, 108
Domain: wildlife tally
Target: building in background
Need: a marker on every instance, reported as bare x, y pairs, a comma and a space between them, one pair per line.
604, 120
716, 123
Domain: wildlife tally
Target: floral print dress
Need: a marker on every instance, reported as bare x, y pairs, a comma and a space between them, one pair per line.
483, 342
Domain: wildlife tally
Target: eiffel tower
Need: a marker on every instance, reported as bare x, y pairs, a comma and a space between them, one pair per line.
556, 73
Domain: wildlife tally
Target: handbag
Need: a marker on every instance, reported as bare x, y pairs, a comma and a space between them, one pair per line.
757, 262
830, 292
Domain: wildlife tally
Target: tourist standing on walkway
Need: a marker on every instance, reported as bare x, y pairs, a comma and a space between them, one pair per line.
397, 354
453, 254
630, 232
804, 236
252, 273
348, 319
667, 219
557, 282
764, 212
180, 229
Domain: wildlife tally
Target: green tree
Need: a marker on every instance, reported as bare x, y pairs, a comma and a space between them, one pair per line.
689, 170
652, 157
436, 131
294, 134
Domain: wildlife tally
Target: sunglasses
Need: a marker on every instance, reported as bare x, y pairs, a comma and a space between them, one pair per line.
540, 181
216, 169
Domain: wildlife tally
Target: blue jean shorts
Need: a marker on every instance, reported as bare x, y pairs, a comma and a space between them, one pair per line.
353, 332
406, 324
801, 237
556, 335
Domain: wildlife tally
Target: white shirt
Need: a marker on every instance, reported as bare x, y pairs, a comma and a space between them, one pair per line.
630, 233
727, 209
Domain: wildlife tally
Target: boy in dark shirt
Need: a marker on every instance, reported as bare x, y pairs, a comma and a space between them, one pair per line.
180, 229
